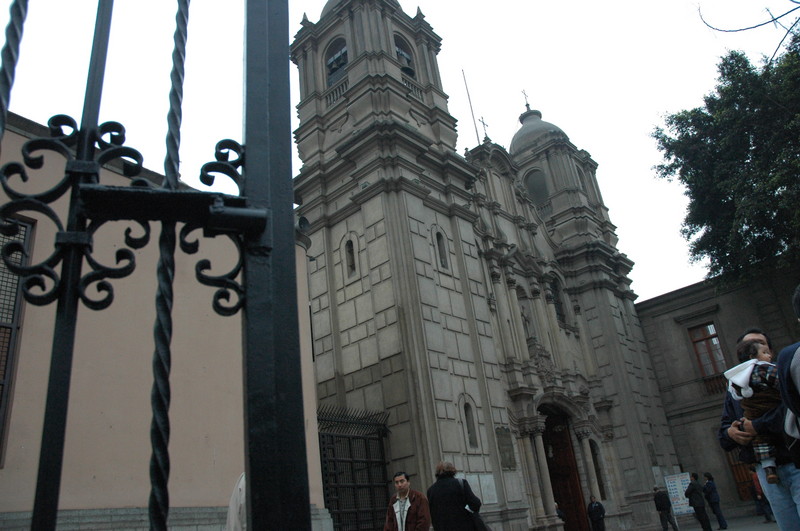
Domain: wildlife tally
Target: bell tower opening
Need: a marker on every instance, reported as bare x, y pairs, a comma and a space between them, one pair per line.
404, 56
335, 61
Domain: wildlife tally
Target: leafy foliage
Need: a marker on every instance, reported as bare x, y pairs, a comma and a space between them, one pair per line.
739, 158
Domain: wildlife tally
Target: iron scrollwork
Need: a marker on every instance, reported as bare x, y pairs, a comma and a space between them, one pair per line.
224, 164
41, 284
226, 283
229, 298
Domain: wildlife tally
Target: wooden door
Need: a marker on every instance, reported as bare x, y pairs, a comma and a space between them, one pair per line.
564, 476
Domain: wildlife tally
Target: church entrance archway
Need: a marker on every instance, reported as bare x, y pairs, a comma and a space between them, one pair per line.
563, 468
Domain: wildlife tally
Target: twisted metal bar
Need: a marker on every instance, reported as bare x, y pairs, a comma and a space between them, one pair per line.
10, 53
162, 358
160, 394
174, 117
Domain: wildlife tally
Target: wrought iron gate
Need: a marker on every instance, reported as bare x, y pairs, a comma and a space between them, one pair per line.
259, 221
354, 472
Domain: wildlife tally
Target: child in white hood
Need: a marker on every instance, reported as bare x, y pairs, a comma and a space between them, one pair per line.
755, 383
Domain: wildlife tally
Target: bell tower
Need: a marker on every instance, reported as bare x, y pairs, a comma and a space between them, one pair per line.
367, 63
394, 265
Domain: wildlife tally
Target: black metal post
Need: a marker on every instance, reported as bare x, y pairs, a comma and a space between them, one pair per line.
74, 241
276, 467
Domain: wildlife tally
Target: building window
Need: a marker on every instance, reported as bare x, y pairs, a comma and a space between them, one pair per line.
707, 348
335, 61
469, 420
10, 301
441, 249
404, 56
536, 186
350, 258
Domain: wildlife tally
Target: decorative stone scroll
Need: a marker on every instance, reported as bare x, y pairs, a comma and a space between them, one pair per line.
542, 362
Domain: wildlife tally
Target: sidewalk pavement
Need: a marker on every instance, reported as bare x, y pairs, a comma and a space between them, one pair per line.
742, 523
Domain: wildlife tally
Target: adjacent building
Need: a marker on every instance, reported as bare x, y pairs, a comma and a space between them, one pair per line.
691, 334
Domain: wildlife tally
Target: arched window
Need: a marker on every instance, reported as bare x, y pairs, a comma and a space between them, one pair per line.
441, 249
335, 61
469, 421
536, 185
350, 258
404, 56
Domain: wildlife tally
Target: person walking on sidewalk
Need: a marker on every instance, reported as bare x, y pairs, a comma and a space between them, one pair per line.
712, 497
664, 508
695, 494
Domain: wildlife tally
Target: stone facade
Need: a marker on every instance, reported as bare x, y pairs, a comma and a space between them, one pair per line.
480, 300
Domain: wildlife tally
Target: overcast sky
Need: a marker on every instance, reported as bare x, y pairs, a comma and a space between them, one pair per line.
604, 72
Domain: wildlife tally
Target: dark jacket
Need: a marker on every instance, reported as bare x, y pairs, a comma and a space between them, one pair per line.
710, 492
768, 424
791, 397
789, 391
418, 517
596, 511
447, 498
661, 499
695, 494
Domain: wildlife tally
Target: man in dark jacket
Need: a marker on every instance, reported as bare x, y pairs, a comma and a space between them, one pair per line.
447, 498
408, 509
712, 497
597, 514
695, 494
664, 508
735, 432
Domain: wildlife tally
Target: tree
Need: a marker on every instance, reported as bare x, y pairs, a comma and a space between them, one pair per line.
739, 158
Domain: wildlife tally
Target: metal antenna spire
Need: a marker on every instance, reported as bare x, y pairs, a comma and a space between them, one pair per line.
474, 123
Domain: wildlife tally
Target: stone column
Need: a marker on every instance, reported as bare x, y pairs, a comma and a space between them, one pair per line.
355, 44
529, 461
507, 340
583, 436
540, 314
544, 471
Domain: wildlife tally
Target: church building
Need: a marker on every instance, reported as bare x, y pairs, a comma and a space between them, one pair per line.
478, 302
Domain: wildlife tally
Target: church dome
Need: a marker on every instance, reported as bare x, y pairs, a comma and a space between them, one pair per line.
533, 128
329, 5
